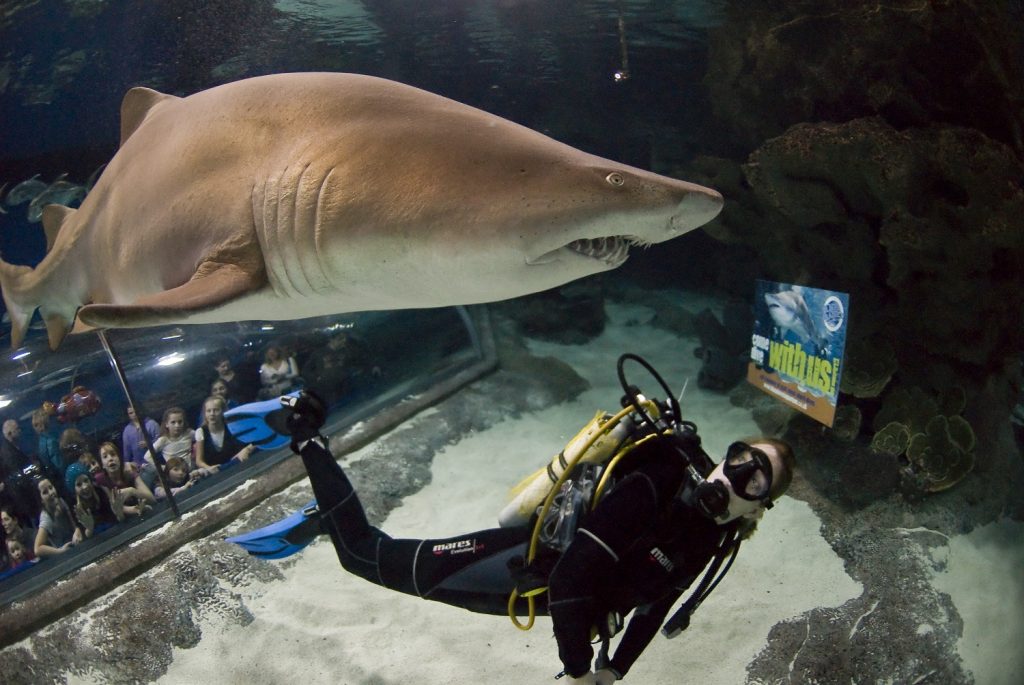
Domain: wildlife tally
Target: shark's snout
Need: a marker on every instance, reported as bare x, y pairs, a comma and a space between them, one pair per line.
700, 206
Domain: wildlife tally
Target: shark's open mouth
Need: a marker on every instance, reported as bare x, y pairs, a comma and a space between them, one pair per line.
609, 250
612, 251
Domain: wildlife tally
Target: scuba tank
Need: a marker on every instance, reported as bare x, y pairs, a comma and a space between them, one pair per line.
595, 444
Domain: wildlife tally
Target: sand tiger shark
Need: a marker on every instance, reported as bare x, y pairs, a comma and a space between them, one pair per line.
303, 194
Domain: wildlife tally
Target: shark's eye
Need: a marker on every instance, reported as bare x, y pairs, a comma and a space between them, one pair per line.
615, 179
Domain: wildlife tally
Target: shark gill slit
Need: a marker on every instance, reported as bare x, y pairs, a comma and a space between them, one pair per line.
303, 231
288, 227
318, 212
287, 191
271, 252
275, 254
259, 224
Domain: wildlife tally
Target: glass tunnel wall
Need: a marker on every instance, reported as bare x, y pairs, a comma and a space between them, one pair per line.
66, 412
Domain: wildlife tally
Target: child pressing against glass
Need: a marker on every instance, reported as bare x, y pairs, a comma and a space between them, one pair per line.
123, 478
97, 508
179, 478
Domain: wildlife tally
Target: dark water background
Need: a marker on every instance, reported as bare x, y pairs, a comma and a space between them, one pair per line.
548, 65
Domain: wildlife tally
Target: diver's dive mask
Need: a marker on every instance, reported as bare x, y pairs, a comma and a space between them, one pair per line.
748, 471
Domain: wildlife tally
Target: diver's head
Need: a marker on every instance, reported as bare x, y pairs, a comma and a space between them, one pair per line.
753, 474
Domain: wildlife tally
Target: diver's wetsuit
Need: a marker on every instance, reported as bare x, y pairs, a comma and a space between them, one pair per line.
640, 548
468, 571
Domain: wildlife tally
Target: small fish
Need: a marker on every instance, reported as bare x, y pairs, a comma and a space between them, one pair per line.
58, 193
25, 191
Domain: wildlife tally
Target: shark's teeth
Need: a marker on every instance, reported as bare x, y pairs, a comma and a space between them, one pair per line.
612, 250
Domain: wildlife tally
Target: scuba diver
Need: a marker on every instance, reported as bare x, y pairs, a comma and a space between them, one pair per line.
627, 531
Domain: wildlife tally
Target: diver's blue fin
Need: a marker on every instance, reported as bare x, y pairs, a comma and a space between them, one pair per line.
282, 538
249, 423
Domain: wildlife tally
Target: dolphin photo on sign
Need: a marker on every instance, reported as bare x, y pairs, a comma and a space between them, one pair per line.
295, 195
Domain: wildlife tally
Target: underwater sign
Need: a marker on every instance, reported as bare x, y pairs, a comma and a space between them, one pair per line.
797, 347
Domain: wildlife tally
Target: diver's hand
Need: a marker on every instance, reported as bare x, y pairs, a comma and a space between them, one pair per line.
605, 677
308, 414
307, 417
588, 679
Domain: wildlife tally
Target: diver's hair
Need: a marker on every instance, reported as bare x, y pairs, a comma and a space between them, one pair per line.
780, 481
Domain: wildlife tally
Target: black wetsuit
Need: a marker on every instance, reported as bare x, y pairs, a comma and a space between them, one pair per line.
639, 549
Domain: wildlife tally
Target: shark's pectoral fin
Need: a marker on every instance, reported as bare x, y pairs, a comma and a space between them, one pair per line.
211, 287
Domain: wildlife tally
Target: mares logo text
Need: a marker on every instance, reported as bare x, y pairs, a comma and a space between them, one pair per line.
660, 557
458, 547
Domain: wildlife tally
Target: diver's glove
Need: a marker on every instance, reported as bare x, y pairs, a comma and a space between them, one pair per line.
605, 676
307, 417
586, 679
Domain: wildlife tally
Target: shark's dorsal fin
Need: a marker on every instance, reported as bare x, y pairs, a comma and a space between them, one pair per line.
136, 106
54, 217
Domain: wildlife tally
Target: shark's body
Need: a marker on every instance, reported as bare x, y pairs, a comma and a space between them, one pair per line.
294, 195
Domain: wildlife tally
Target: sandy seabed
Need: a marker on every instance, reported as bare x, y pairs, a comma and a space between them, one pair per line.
321, 625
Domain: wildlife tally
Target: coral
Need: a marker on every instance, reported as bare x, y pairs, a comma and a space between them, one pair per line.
961, 433
892, 440
942, 455
939, 448
912, 407
868, 368
774, 64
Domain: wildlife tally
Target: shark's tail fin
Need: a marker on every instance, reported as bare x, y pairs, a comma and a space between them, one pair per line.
20, 311
25, 289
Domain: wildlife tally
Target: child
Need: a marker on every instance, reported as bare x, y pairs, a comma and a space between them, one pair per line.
96, 509
18, 555
175, 437
118, 476
179, 478
58, 530
215, 445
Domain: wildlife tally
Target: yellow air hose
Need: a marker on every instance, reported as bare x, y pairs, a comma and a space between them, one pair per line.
652, 408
